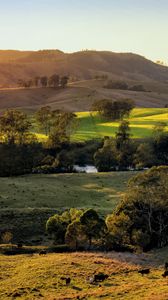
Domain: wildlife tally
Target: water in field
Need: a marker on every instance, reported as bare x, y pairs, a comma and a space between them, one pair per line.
85, 169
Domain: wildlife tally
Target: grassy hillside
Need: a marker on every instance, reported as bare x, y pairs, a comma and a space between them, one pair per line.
34, 277
80, 65
79, 96
92, 126
142, 121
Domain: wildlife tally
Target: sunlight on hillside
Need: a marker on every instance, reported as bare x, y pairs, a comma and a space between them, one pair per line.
142, 122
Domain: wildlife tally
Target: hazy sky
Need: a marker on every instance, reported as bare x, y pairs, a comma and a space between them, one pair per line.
138, 26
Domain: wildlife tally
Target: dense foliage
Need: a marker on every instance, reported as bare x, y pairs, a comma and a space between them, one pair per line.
139, 221
113, 110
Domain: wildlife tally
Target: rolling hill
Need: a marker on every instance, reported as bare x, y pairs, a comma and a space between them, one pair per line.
82, 68
80, 65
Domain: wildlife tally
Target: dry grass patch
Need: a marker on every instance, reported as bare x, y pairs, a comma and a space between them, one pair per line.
35, 277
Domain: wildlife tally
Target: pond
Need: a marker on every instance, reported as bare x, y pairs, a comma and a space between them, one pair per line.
85, 169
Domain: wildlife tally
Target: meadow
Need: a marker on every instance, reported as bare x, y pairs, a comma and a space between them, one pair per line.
142, 122
61, 191
92, 126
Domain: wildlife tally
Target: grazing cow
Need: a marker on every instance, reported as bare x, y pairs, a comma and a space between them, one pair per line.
165, 274
98, 278
43, 252
67, 280
144, 271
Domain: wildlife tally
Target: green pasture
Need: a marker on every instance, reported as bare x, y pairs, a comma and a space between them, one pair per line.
61, 191
92, 126
142, 121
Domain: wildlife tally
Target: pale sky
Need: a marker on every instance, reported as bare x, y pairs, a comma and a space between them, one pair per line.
138, 26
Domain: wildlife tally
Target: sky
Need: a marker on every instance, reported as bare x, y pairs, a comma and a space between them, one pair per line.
138, 26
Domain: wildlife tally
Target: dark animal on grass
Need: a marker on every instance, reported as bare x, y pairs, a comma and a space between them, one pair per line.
43, 252
166, 266
98, 278
165, 274
67, 280
144, 271
19, 245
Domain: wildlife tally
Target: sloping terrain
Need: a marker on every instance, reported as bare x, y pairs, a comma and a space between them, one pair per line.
39, 277
142, 122
26, 202
79, 65
78, 96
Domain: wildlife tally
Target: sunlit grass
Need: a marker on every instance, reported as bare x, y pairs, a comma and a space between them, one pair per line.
92, 126
34, 277
142, 122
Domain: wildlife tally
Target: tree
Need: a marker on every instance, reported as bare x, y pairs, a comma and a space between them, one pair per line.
93, 225
120, 85
14, 127
75, 235
44, 118
113, 110
54, 81
36, 81
105, 158
145, 206
124, 146
17, 159
117, 226
44, 81
64, 125
145, 156
64, 81
160, 143
56, 226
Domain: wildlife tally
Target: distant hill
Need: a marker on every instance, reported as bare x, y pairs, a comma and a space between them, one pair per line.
81, 65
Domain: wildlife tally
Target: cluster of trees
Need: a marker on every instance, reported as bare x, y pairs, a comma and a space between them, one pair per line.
123, 153
116, 153
77, 228
139, 221
54, 80
22, 153
20, 150
113, 110
122, 85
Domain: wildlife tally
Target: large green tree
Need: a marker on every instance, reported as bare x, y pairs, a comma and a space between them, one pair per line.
141, 219
93, 225
15, 127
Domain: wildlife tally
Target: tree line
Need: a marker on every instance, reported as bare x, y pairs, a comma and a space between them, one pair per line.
124, 153
140, 221
55, 81
122, 85
21, 152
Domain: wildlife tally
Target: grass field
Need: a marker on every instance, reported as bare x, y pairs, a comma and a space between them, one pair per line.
142, 121
100, 191
34, 277
26, 202
91, 126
